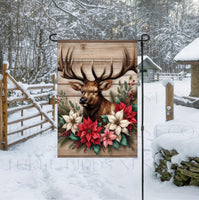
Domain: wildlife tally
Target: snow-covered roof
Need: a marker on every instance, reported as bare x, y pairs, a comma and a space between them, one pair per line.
189, 53
148, 58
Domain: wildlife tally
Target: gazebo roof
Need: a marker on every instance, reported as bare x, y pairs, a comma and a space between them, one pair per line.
150, 60
189, 54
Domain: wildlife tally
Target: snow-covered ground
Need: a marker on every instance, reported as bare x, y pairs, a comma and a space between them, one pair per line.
31, 170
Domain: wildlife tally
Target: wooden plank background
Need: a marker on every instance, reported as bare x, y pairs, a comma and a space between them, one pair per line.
101, 54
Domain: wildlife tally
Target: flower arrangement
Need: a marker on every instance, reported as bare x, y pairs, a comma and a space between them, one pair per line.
114, 130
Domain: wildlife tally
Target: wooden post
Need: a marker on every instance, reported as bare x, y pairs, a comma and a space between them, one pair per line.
169, 102
53, 99
1, 116
5, 114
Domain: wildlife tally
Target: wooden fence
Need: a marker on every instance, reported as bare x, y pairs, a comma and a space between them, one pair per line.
178, 76
25, 110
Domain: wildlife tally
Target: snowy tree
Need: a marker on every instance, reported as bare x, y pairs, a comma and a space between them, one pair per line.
26, 26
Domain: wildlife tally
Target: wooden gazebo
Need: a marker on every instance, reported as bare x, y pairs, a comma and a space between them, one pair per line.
190, 55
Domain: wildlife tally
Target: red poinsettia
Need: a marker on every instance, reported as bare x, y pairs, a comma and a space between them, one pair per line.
128, 114
89, 132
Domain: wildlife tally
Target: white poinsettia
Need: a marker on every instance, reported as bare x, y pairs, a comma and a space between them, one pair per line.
72, 120
118, 124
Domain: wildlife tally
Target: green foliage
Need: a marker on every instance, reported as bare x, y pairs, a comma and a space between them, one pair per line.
65, 106
99, 124
61, 122
104, 119
73, 137
123, 141
71, 104
135, 107
96, 148
116, 144
125, 93
112, 97
62, 141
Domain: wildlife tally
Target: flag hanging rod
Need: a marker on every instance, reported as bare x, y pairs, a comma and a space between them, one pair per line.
144, 38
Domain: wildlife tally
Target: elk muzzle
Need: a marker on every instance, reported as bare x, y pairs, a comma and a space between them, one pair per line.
83, 101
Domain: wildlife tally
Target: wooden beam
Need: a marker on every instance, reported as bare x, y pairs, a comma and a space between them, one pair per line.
39, 87
15, 100
31, 136
27, 127
186, 62
32, 101
11, 110
23, 118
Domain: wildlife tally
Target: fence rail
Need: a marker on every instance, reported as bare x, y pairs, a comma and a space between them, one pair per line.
173, 76
25, 99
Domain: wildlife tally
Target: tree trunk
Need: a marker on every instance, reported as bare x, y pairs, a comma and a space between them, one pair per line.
194, 80
10, 38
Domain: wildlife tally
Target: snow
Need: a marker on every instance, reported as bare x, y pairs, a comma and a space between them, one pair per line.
6, 63
189, 53
1, 77
185, 144
31, 170
147, 57
166, 81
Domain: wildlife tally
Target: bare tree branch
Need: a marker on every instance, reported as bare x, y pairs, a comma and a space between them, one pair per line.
66, 11
89, 6
42, 5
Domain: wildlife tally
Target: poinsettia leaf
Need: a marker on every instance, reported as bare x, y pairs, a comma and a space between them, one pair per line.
62, 121
134, 107
102, 130
116, 144
123, 141
99, 123
104, 118
96, 148
118, 101
73, 137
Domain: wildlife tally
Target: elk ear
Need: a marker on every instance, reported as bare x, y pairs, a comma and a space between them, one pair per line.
76, 86
105, 85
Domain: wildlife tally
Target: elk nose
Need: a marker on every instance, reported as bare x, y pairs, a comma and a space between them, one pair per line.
83, 100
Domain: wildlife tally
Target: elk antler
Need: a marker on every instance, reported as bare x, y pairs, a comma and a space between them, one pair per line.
126, 66
66, 67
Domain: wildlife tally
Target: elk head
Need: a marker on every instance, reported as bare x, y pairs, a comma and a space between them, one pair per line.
92, 98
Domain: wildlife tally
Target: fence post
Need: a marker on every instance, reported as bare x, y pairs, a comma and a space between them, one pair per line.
53, 99
169, 102
1, 115
5, 114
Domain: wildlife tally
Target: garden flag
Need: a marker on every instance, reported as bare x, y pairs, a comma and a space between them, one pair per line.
97, 98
